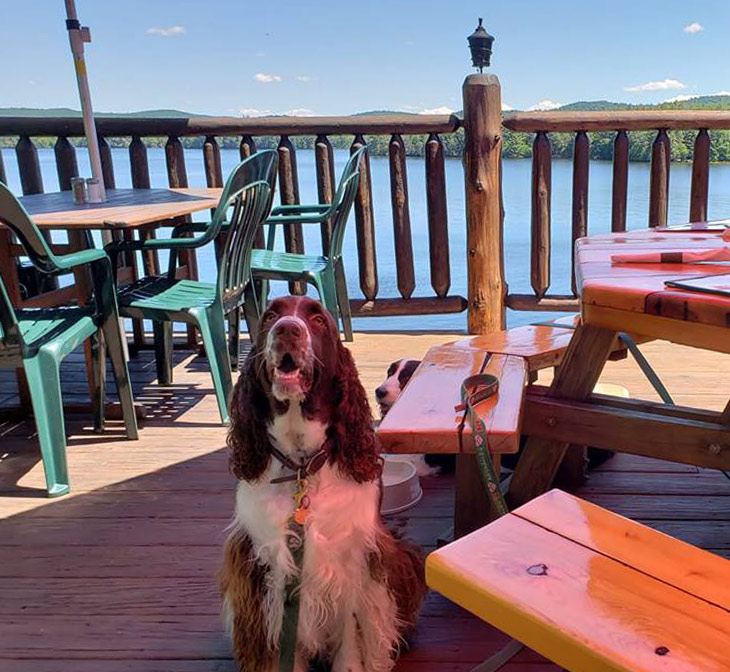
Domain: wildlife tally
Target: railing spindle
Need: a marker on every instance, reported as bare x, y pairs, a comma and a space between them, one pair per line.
177, 176
659, 181
212, 162
620, 188
138, 166
438, 224
581, 157
700, 177
289, 194
401, 217
247, 147
365, 226
541, 186
66, 164
325, 167
107, 165
31, 180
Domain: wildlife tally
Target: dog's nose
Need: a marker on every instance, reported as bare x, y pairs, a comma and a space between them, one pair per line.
381, 393
288, 327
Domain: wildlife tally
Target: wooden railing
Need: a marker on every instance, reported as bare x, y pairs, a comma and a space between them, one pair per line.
581, 124
320, 128
483, 124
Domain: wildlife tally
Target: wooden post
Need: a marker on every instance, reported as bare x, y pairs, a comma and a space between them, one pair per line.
581, 161
541, 192
438, 225
700, 177
487, 288
66, 165
620, 186
659, 180
365, 226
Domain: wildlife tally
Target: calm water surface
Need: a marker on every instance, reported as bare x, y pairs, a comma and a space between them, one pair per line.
516, 186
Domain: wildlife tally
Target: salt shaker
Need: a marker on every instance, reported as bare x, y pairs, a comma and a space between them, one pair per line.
93, 188
78, 187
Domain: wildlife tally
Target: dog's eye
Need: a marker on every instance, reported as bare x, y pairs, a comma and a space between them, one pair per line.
319, 320
268, 317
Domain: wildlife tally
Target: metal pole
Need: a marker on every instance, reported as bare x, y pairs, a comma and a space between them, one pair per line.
77, 36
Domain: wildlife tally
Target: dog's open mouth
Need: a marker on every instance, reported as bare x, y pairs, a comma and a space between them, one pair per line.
288, 376
384, 408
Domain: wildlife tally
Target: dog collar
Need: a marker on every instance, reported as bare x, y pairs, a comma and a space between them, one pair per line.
303, 469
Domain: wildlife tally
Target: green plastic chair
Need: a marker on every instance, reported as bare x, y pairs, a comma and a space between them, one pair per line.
244, 206
326, 272
37, 339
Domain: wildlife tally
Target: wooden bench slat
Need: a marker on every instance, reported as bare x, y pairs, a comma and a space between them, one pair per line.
423, 419
687, 567
588, 611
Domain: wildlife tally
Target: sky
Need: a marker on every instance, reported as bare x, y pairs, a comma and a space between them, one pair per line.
240, 57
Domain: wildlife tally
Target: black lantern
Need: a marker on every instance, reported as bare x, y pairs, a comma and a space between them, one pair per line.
480, 45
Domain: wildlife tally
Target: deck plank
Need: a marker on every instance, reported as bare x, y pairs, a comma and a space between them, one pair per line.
120, 574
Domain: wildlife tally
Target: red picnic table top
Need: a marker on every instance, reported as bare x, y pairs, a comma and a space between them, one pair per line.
634, 297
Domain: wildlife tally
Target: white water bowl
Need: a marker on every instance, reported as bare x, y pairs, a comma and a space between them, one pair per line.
401, 487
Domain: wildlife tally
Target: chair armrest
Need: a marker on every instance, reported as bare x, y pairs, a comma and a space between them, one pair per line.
80, 258
298, 219
189, 227
293, 209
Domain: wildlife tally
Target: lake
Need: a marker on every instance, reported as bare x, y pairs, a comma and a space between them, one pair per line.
516, 187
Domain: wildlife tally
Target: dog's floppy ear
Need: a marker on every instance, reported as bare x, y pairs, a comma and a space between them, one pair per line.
247, 436
356, 448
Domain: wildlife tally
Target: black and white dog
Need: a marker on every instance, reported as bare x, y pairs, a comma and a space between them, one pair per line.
399, 373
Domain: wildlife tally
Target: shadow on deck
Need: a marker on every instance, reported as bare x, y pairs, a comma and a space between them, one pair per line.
120, 575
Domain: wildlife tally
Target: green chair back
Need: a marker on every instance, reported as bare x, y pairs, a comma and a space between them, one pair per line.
343, 200
14, 215
244, 206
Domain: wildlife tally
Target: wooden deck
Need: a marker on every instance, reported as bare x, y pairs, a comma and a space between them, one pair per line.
119, 575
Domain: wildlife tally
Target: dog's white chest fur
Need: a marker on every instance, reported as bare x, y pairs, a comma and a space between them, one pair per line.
339, 600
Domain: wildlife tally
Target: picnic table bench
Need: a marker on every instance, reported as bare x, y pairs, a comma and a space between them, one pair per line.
591, 590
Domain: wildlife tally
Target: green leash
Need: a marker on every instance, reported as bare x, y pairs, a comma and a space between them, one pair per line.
290, 624
474, 390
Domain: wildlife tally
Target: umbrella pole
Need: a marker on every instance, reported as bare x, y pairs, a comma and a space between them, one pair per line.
77, 36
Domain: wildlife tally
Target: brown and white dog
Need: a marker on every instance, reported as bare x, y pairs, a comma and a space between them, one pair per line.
360, 588
397, 377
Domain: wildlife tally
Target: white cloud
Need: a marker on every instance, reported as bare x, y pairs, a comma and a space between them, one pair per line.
681, 97
507, 108
266, 79
437, 110
170, 31
303, 78
659, 85
545, 105
693, 27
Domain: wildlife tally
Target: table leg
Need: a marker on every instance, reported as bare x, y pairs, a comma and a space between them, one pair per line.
473, 507
80, 240
578, 374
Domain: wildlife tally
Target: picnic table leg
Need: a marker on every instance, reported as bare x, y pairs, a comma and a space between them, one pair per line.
578, 374
472, 507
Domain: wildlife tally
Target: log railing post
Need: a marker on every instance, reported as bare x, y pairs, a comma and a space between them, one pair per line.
438, 225
325, 168
581, 157
365, 227
289, 195
659, 180
484, 227
405, 272
620, 187
541, 194
700, 177
107, 165
66, 164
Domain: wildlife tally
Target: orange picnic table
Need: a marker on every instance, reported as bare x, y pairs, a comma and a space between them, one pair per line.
615, 298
